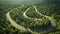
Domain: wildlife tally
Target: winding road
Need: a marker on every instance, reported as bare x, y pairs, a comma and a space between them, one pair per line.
50, 18
24, 14
13, 22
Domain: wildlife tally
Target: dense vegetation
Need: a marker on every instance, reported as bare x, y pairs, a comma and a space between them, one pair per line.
17, 15
5, 26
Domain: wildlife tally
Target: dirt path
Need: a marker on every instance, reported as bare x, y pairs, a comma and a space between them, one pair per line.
51, 19
13, 22
24, 14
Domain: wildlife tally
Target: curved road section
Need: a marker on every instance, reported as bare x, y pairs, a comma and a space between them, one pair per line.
24, 14
50, 18
13, 22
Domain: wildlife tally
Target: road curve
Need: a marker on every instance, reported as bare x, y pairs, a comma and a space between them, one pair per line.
13, 22
24, 14
50, 18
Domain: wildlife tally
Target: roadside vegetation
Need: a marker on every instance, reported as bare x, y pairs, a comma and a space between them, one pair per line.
35, 25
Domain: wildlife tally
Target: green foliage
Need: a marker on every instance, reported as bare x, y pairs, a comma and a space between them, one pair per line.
17, 15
